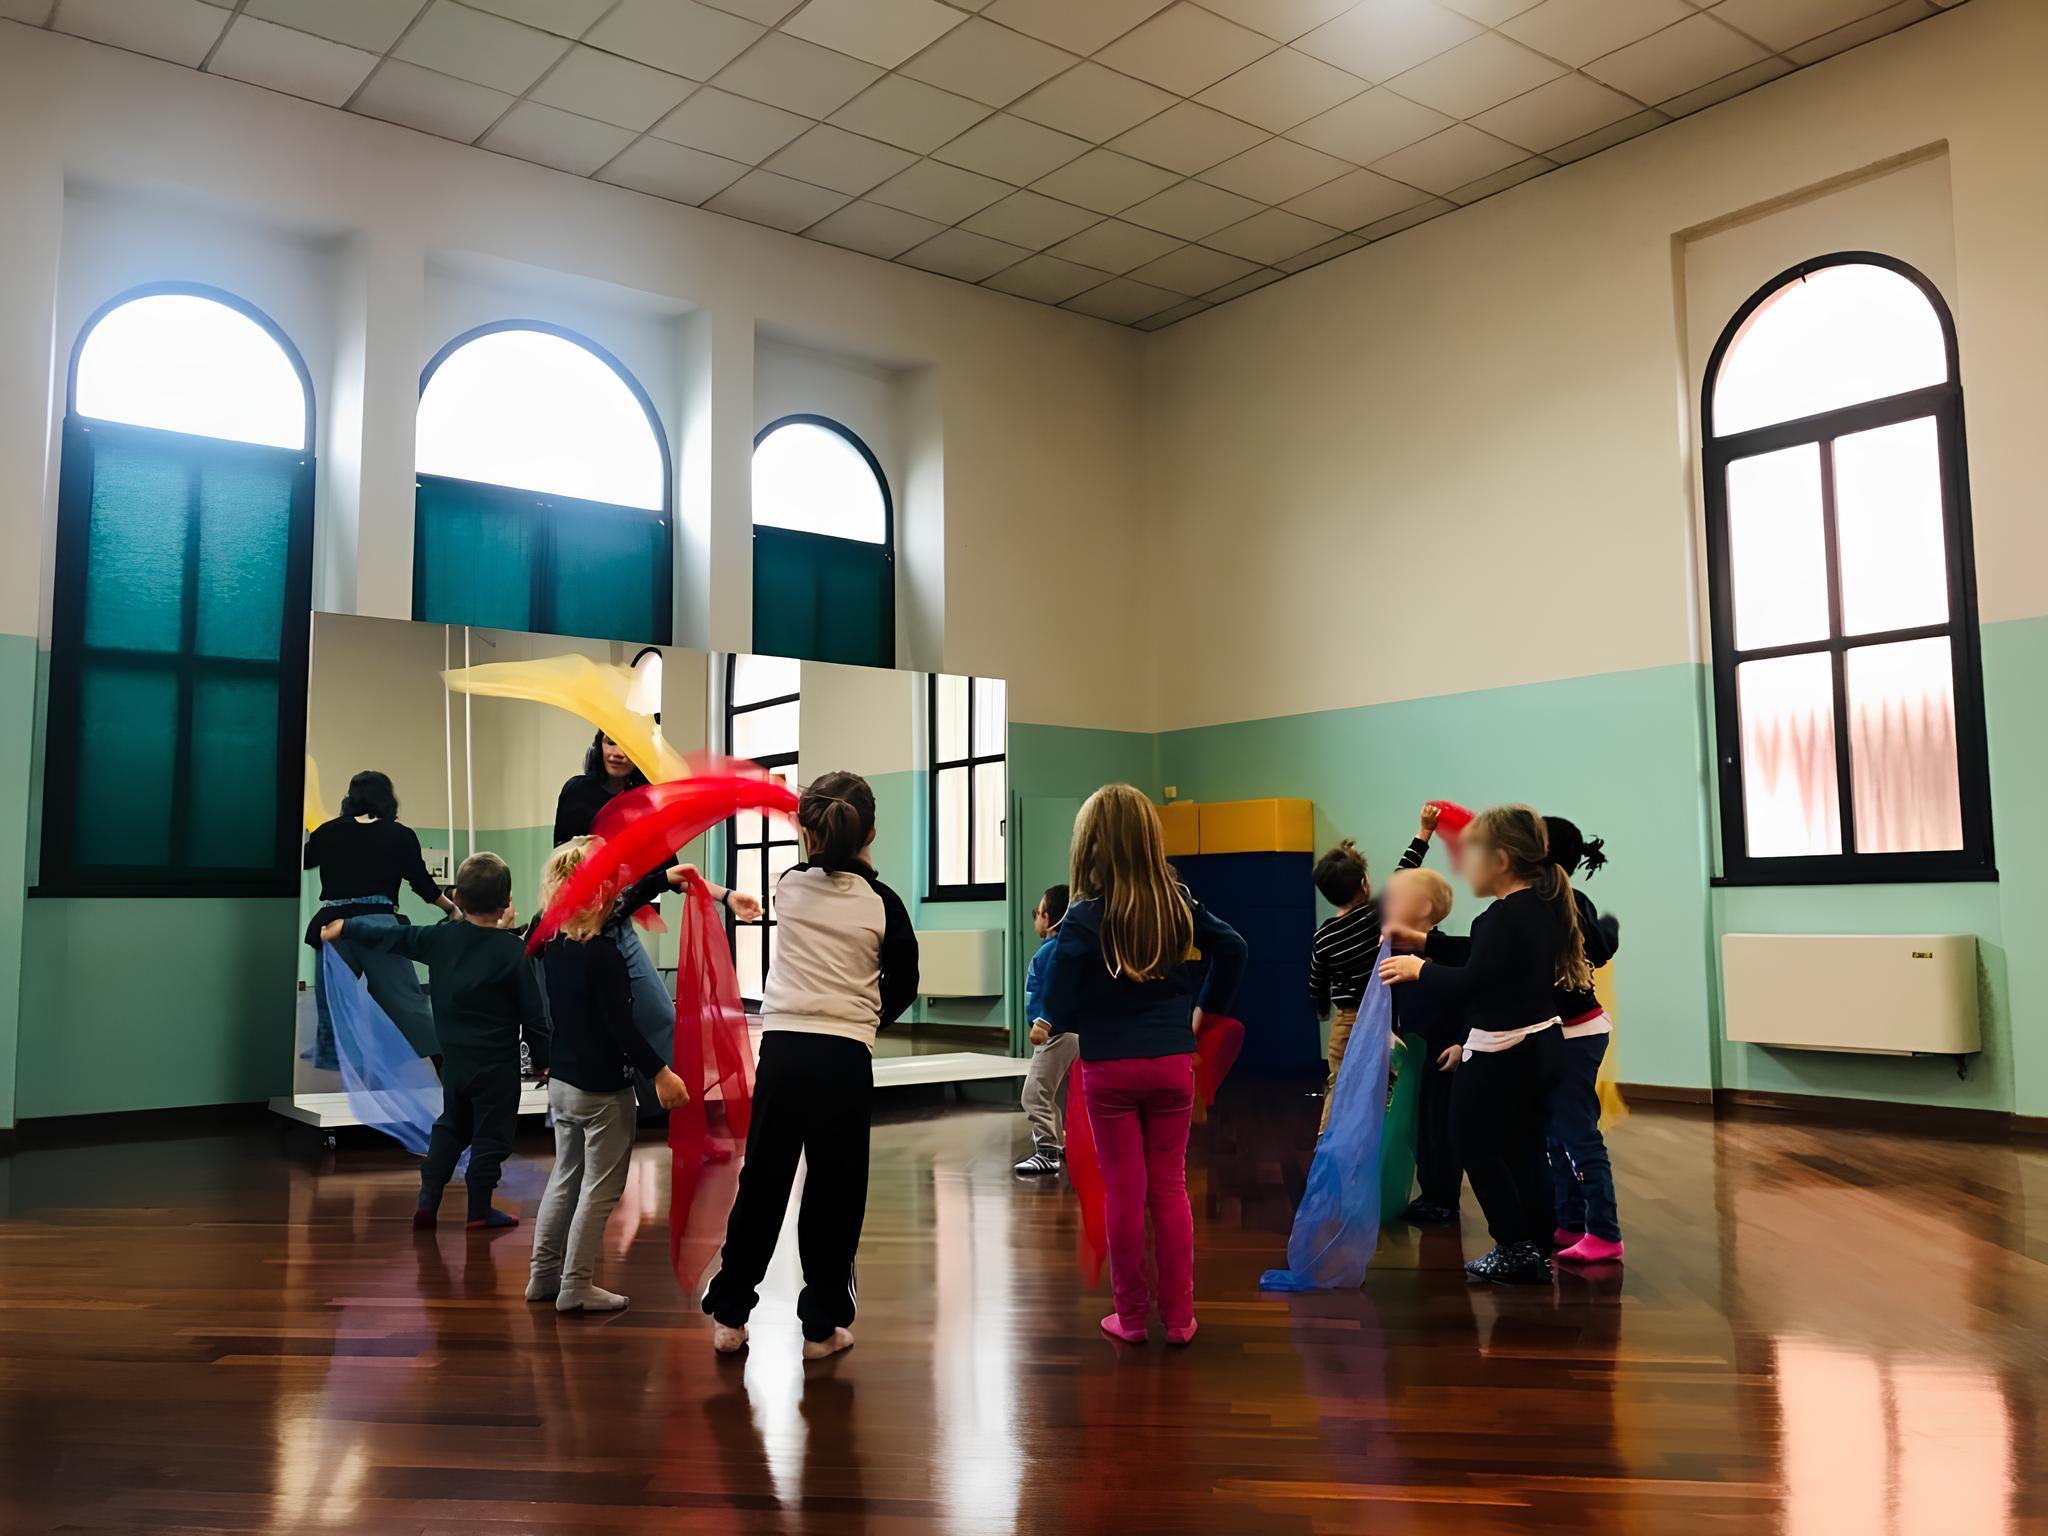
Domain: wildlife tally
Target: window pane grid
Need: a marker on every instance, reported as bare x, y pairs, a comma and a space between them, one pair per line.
759, 848
968, 793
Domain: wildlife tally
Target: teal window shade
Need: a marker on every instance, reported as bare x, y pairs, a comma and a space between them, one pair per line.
824, 599
177, 663
501, 558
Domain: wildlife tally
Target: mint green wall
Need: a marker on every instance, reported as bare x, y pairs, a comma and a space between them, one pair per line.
2015, 692
17, 705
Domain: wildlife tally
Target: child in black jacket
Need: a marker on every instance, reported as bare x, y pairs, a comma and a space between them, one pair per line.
1588, 1224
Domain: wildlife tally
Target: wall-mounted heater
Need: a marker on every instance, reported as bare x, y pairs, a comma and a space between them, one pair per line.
1894, 994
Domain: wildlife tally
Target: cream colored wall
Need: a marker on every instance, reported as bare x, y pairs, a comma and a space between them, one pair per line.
1038, 485
863, 719
1462, 458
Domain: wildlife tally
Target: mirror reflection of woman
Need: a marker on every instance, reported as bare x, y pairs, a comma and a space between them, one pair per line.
363, 856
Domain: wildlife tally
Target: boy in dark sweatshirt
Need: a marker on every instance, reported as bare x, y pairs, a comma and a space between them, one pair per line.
1417, 900
485, 996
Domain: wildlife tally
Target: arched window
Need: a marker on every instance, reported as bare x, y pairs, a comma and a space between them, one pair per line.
183, 593
544, 489
1848, 698
824, 546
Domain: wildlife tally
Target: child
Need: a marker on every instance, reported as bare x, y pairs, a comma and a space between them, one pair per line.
1051, 1054
1347, 944
1588, 1224
1416, 901
1503, 979
845, 965
484, 996
591, 1058
1135, 965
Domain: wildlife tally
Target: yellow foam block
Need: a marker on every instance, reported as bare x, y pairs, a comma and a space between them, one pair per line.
1182, 821
1258, 826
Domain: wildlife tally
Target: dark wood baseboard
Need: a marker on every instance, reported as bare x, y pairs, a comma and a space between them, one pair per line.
1869, 1114
1665, 1093
2030, 1127
138, 1124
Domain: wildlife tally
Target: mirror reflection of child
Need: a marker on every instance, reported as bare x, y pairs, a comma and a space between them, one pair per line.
1051, 1055
1414, 902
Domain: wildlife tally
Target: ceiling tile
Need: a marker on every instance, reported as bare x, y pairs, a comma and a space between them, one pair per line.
1552, 114
1193, 269
1459, 154
1185, 48
1047, 279
611, 89
762, 197
1191, 210
1490, 13
179, 30
1011, 149
1271, 236
766, 12
1179, 312
1501, 180
371, 24
1032, 221
1783, 24
1890, 19
942, 192
680, 174
296, 63
1576, 31
1606, 138
798, 76
1104, 180
34, 13
569, 18
1123, 301
1282, 89
1082, 26
909, 113
884, 32
439, 104
1093, 103
680, 36
1275, 171
874, 230
840, 160
1281, 20
1114, 246
724, 124
1682, 56
1188, 138
479, 47
845, 162
969, 257
1714, 92
549, 136
1251, 282
1377, 39
1476, 75
1352, 201
1408, 218
1316, 255
988, 63
1369, 126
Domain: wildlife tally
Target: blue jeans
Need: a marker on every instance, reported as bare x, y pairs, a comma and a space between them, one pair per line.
394, 987
1579, 1170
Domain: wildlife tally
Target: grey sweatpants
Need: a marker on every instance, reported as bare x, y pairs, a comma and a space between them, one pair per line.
1044, 1099
593, 1148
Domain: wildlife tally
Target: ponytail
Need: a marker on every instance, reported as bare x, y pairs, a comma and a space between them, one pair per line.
1524, 837
837, 814
1574, 971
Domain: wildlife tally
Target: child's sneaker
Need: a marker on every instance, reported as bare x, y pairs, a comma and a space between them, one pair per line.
1564, 1237
1593, 1249
591, 1298
819, 1349
492, 1220
1183, 1335
1114, 1327
1038, 1164
423, 1219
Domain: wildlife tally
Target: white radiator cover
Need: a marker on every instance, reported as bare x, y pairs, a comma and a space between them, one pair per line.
1894, 994
960, 962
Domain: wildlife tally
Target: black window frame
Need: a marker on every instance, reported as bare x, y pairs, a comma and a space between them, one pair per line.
769, 826
791, 544
973, 889
547, 511
1944, 403
58, 873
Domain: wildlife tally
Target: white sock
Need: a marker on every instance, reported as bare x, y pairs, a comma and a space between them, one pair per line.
727, 1341
543, 1287
591, 1298
842, 1338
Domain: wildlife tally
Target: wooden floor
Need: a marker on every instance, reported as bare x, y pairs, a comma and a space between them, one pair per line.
1823, 1332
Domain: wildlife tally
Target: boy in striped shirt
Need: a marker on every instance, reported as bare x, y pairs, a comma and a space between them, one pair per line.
1347, 945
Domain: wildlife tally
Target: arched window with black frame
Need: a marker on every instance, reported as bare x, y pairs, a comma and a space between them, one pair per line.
174, 751
1849, 705
545, 489
824, 545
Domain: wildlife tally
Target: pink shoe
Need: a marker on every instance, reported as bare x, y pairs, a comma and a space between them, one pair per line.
1592, 1249
1114, 1327
1564, 1237
1183, 1335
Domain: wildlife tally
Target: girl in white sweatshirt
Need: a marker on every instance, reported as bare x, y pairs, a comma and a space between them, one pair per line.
844, 965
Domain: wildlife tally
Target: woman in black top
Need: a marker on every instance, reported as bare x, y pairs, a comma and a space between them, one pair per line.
363, 856
1503, 981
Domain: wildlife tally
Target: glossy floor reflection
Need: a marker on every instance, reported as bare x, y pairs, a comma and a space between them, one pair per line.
1819, 1331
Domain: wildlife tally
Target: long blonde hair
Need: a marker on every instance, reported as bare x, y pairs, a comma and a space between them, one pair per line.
1119, 858
1519, 833
561, 864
